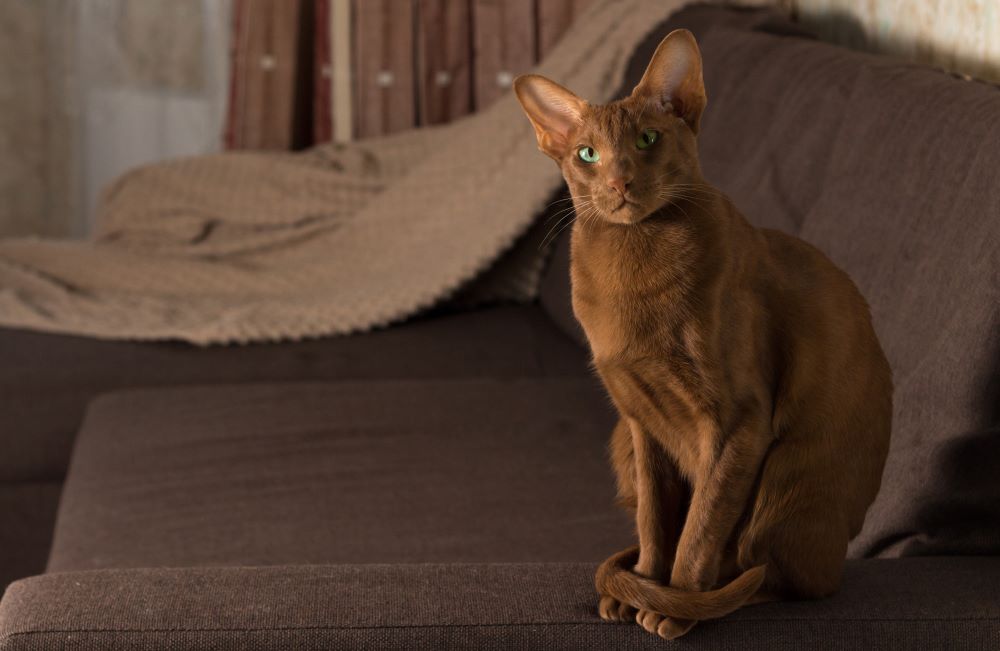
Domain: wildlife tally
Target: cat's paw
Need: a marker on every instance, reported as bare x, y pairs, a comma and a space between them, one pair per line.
668, 628
672, 628
613, 610
649, 620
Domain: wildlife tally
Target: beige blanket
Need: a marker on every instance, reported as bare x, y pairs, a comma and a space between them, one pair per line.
245, 247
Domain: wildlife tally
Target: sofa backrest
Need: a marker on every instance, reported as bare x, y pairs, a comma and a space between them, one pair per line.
893, 170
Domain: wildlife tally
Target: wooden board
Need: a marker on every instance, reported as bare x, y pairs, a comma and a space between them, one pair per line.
264, 69
444, 52
383, 66
322, 128
504, 45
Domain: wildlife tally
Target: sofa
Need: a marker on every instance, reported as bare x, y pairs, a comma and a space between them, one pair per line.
444, 482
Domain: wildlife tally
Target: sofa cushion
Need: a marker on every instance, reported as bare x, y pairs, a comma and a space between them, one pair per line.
46, 380
892, 605
365, 472
555, 293
27, 511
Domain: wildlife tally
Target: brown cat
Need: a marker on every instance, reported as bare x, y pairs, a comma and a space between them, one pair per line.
755, 400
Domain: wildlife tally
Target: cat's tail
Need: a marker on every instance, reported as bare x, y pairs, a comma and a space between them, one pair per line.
616, 579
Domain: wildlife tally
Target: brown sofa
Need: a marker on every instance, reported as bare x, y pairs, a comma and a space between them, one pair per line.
443, 483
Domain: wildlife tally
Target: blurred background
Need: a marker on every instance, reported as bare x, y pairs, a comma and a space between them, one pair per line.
90, 88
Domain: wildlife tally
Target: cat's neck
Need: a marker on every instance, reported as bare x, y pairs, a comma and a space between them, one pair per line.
670, 245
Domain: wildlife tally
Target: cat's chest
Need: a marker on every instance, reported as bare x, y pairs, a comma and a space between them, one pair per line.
624, 319
646, 332
616, 327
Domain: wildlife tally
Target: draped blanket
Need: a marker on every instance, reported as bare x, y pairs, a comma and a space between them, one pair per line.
241, 247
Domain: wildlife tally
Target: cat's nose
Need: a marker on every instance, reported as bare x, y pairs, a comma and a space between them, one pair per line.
619, 183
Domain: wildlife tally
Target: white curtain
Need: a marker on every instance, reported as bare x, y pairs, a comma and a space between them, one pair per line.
104, 85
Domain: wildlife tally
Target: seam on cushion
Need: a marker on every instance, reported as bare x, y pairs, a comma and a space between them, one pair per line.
8, 636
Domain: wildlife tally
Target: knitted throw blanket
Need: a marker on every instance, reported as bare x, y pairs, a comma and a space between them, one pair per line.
242, 247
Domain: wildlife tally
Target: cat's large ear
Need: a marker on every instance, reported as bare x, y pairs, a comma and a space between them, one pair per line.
672, 80
553, 111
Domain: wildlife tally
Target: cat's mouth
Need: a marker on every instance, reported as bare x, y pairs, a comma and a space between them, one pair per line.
625, 203
627, 212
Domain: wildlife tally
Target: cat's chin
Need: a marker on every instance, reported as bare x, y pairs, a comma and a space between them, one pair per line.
628, 214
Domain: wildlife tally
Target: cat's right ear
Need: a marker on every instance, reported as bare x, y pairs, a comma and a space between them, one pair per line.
673, 81
554, 112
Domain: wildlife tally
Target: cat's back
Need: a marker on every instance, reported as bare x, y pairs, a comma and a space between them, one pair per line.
835, 361
807, 277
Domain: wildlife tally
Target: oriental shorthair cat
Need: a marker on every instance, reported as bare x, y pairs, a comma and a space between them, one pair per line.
754, 398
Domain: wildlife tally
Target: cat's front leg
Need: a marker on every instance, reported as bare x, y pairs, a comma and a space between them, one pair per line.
660, 496
650, 483
720, 496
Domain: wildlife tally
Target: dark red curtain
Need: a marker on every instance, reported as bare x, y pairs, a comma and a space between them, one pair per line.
412, 63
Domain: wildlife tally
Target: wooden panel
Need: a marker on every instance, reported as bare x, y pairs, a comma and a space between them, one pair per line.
264, 69
444, 53
554, 17
322, 128
383, 65
504, 45
341, 83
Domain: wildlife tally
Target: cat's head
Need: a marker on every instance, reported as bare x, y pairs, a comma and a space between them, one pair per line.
624, 160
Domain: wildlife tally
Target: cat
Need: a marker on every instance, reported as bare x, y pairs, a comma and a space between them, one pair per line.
755, 400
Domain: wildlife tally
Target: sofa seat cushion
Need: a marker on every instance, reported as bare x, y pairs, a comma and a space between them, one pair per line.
46, 380
891, 605
365, 472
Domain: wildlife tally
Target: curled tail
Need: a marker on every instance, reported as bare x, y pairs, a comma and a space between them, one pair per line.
616, 578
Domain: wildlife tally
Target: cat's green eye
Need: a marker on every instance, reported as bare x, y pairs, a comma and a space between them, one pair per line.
588, 154
647, 138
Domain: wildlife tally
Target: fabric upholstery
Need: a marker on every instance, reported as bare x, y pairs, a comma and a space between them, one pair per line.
46, 380
366, 472
555, 294
897, 605
27, 513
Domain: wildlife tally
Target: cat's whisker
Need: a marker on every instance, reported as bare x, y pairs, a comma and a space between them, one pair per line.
591, 216
565, 199
560, 214
549, 237
672, 198
560, 226
590, 212
563, 228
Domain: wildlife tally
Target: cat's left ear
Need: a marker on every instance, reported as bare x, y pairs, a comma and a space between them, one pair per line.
672, 81
554, 112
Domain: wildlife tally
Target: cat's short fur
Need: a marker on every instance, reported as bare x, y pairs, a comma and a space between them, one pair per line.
755, 399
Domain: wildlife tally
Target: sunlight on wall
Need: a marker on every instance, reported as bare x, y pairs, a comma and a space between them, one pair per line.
959, 35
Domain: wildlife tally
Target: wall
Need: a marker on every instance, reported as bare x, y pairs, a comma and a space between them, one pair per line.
958, 35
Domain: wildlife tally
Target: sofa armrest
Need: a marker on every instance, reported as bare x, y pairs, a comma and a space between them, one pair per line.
892, 604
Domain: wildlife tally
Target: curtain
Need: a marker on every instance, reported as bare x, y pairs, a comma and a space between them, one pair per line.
305, 72
94, 87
